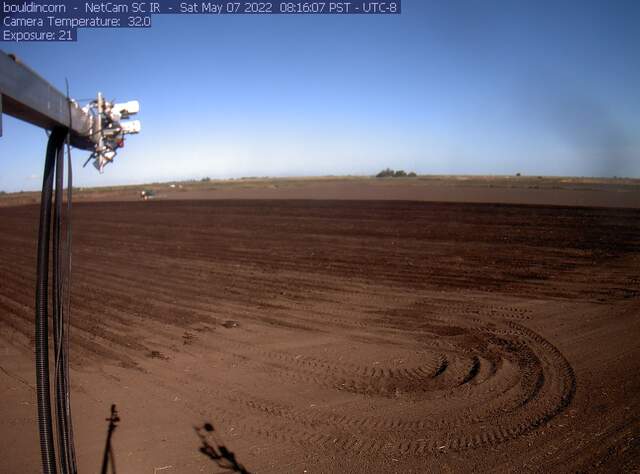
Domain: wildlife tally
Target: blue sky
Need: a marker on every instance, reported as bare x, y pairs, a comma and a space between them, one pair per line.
467, 87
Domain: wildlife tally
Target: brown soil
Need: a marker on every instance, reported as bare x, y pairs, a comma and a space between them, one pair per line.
336, 336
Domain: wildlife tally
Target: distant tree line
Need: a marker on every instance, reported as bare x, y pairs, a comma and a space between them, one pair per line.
389, 173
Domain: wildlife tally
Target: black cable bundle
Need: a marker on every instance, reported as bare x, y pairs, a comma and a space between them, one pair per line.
61, 278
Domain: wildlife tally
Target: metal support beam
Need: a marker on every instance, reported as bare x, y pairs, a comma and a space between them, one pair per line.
27, 96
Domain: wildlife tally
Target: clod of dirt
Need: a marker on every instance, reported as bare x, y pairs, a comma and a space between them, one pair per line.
157, 355
231, 324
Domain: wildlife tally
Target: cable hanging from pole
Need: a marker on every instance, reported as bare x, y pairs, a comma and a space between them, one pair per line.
61, 272
66, 294
43, 391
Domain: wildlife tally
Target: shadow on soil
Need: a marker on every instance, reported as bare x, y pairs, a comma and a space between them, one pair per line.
210, 447
108, 459
216, 451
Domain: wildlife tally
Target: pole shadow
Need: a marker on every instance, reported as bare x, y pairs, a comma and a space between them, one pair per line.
108, 458
217, 451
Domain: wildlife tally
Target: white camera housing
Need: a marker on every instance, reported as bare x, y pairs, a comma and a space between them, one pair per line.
126, 109
107, 130
133, 126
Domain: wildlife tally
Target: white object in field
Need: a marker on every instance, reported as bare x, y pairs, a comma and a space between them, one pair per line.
133, 126
126, 109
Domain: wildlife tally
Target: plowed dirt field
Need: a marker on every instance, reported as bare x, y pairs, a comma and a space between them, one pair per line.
337, 336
